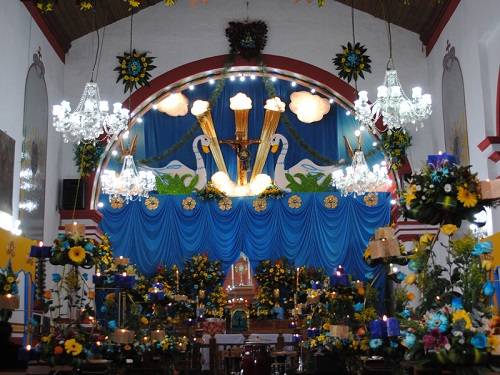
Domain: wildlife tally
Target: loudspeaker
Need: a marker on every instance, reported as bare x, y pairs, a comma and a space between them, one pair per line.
71, 192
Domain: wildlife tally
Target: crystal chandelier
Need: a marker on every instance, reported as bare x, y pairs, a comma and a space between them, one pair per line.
358, 178
396, 109
90, 119
130, 184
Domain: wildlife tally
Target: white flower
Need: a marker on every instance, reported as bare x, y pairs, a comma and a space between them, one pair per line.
423, 197
431, 186
447, 346
419, 188
447, 188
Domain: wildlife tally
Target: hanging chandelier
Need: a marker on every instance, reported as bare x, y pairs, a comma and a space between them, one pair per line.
396, 109
129, 185
358, 179
90, 119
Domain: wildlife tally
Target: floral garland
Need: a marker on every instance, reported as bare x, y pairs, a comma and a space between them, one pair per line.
352, 62
45, 6
442, 193
87, 156
209, 192
133, 69
394, 144
74, 250
272, 191
8, 280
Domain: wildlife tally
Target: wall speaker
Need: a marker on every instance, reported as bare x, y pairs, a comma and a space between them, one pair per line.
73, 194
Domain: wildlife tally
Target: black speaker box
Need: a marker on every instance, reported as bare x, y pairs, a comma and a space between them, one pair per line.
73, 192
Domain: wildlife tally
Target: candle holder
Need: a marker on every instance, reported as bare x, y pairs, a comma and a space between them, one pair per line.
123, 336
121, 261
9, 302
157, 335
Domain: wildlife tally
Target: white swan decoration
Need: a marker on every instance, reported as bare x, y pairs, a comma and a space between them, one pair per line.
176, 167
304, 166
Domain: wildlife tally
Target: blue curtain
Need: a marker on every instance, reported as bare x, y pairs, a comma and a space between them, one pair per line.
311, 235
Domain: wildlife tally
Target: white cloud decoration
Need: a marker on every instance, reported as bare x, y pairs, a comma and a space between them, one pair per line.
275, 104
175, 104
240, 102
308, 107
199, 107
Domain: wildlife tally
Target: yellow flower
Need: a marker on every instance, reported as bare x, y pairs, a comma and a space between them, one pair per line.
410, 195
313, 343
6, 287
76, 254
326, 326
486, 264
449, 229
73, 347
426, 239
467, 198
45, 338
85, 5
410, 296
492, 341
134, 3
10, 279
144, 320
462, 315
410, 278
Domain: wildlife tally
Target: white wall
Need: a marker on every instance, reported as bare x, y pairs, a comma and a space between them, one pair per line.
20, 37
181, 34
474, 31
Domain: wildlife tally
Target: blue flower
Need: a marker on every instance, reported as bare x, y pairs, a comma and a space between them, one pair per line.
112, 325
488, 288
456, 303
56, 277
409, 340
89, 247
104, 309
479, 341
359, 306
400, 276
438, 320
65, 245
369, 275
482, 248
375, 343
406, 313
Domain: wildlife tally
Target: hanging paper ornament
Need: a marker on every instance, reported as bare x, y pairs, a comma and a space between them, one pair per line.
133, 69
352, 62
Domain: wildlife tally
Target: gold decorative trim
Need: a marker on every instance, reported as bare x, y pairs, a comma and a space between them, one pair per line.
116, 202
225, 204
331, 201
371, 199
259, 204
152, 203
188, 203
295, 201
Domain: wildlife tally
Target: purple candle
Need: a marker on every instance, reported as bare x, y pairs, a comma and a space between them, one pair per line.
393, 327
378, 328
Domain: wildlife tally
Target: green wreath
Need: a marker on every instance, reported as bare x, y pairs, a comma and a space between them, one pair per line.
133, 69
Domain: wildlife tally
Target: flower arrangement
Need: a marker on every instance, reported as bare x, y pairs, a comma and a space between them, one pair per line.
87, 156
275, 290
209, 191
202, 280
8, 280
104, 253
272, 191
64, 346
394, 144
73, 250
442, 193
352, 62
134, 69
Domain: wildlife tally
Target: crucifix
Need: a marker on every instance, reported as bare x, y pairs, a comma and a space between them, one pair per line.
240, 146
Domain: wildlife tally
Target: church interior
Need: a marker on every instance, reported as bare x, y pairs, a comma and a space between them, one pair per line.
250, 187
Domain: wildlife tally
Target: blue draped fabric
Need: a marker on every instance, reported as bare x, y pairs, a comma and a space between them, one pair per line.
311, 235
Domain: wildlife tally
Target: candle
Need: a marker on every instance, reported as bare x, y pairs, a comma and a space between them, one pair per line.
378, 329
393, 327
177, 279
297, 282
